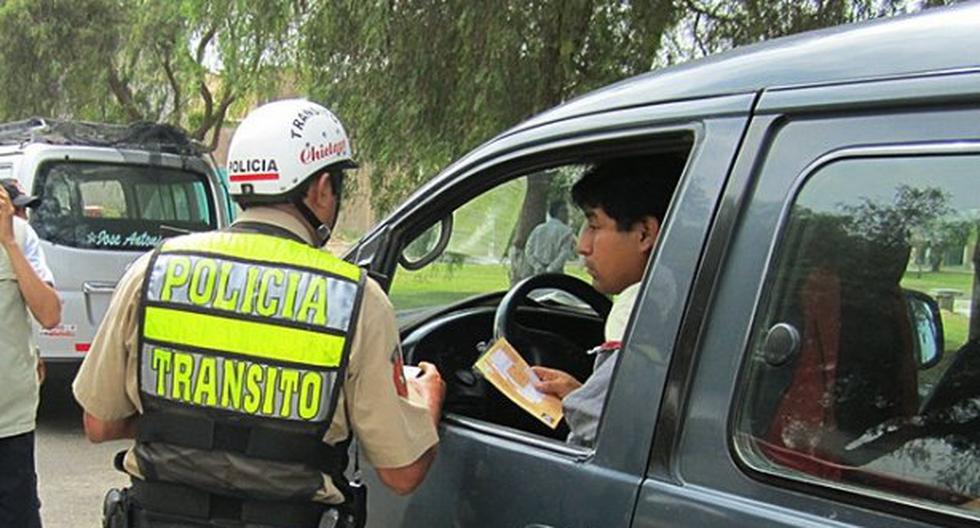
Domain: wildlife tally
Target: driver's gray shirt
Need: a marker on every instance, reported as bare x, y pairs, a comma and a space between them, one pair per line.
583, 406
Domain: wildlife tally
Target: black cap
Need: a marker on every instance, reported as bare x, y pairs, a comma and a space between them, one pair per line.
17, 196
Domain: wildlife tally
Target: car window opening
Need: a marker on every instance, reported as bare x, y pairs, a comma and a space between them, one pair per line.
528, 227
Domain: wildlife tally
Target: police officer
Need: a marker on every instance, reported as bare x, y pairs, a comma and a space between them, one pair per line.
242, 360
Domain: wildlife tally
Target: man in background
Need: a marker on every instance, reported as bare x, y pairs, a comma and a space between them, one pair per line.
25, 290
22, 201
551, 243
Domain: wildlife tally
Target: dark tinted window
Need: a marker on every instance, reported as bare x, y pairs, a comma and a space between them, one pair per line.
123, 207
864, 372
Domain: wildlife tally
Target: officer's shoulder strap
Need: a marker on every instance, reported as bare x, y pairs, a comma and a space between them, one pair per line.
265, 229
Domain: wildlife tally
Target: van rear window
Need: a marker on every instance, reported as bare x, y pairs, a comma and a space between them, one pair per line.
119, 207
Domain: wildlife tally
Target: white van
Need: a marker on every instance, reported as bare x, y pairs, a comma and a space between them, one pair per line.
108, 194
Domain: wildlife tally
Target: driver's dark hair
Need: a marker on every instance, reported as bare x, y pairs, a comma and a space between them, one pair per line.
630, 189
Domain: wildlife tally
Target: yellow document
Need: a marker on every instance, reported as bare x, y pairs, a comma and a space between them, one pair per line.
502, 366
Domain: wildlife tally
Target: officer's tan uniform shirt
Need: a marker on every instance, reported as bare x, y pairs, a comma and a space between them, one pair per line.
392, 431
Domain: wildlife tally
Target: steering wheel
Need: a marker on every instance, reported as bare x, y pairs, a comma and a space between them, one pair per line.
548, 348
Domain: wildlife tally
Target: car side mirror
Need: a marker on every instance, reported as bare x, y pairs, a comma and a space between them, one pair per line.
927, 328
428, 246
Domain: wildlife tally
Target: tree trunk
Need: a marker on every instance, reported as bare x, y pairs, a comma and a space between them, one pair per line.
124, 96
565, 33
532, 213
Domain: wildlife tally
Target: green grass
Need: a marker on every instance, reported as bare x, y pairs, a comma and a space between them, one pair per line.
439, 284
955, 330
927, 281
955, 326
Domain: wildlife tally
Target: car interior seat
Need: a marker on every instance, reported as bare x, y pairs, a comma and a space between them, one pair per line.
854, 367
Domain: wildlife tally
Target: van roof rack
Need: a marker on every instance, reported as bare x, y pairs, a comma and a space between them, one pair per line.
142, 135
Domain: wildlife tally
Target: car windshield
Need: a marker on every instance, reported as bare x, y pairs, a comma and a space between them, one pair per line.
496, 239
119, 207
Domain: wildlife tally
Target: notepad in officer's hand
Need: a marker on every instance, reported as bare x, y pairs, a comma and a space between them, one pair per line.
503, 367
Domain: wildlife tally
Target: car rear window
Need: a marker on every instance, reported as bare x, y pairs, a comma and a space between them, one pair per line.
119, 207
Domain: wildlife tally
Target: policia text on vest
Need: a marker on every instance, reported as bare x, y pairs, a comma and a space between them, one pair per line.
280, 330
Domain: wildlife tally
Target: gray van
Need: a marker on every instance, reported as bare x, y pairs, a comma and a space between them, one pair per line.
108, 194
805, 349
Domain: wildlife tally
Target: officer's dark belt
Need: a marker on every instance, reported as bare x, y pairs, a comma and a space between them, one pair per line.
182, 501
254, 441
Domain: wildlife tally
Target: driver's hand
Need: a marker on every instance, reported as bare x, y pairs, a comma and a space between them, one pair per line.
433, 390
555, 382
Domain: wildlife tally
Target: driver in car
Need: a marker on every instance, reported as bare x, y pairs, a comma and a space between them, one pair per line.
623, 201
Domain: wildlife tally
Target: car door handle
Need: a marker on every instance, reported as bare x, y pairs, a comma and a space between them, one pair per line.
95, 287
536, 525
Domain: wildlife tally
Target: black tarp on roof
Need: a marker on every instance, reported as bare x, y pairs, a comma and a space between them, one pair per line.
143, 135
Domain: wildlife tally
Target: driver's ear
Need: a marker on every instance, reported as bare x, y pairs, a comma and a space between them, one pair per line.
650, 230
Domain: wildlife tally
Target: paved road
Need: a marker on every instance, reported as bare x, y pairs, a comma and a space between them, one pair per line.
73, 474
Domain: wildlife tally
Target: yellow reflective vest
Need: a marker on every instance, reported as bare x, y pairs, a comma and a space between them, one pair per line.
243, 342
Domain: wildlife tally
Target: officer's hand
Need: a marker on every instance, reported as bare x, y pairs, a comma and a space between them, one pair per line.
555, 382
429, 383
6, 218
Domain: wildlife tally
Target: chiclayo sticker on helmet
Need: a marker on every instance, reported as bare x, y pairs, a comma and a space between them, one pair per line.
252, 170
316, 153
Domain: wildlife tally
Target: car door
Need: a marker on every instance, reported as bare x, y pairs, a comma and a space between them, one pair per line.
800, 392
487, 474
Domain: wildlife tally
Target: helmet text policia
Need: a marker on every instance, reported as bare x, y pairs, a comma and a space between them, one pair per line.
280, 145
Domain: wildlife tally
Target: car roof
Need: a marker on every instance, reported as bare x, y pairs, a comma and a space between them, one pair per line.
934, 40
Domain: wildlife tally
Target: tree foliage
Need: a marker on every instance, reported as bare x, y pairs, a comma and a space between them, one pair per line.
895, 223
184, 62
418, 82
423, 81
709, 26
871, 239
52, 49
935, 240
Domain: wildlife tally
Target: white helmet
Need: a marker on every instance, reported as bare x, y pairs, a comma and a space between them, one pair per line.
280, 144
